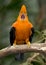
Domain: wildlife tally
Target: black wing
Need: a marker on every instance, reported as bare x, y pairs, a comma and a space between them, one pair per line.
30, 38
12, 35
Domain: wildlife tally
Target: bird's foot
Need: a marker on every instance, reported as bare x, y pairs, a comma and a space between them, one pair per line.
14, 44
28, 43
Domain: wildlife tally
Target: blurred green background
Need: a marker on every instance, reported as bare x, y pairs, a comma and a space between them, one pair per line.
9, 10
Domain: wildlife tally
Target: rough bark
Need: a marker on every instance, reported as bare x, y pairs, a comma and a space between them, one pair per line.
35, 47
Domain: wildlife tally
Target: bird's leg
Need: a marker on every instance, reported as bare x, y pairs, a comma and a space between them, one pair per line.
14, 43
28, 42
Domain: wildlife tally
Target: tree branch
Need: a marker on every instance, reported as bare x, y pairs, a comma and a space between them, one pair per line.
35, 47
32, 58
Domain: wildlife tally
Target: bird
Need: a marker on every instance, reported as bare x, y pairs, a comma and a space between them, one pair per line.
22, 31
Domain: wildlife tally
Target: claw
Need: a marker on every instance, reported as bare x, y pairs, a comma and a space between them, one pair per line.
14, 44
28, 43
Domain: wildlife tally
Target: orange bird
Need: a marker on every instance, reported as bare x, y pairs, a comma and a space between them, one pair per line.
22, 30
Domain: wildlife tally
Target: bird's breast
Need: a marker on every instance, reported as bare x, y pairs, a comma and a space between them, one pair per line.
22, 32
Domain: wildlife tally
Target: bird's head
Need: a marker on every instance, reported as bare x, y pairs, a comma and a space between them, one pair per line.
23, 14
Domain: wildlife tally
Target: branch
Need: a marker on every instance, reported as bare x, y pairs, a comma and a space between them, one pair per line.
35, 47
32, 58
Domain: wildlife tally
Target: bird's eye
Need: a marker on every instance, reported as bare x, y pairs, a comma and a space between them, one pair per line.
22, 16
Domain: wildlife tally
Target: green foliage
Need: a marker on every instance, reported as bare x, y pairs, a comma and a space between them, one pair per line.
9, 10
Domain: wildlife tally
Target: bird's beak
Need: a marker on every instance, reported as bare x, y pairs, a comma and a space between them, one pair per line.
22, 16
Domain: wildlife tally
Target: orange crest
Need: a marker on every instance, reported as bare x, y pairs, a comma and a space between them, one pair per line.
23, 9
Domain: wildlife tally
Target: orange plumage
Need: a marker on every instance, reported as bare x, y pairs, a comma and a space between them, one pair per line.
23, 27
